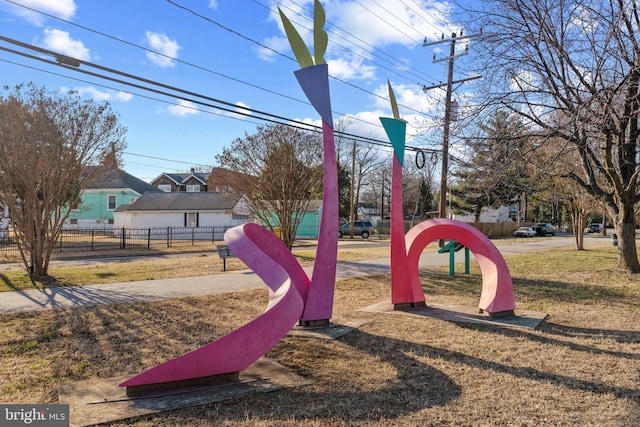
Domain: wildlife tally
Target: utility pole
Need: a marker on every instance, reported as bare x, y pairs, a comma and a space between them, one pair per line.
447, 111
353, 189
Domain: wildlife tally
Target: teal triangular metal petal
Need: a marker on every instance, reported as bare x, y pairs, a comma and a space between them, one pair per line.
396, 131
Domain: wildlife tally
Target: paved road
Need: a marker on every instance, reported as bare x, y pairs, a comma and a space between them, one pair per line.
153, 290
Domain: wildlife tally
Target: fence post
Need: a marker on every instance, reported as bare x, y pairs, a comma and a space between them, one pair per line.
193, 236
124, 238
149, 238
92, 238
168, 237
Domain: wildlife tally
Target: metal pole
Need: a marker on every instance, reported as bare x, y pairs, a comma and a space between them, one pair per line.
445, 138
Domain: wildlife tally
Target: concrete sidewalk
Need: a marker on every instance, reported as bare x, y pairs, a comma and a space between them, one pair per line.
154, 290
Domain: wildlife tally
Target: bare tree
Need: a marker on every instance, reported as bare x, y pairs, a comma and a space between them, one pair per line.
364, 161
46, 142
279, 170
572, 71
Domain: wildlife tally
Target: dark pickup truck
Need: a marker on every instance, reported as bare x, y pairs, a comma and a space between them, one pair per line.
543, 229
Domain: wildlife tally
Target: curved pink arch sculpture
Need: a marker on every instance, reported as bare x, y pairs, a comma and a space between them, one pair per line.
270, 259
497, 287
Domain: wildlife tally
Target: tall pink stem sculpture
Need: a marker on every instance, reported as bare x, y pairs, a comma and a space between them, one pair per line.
292, 296
406, 289
313, 78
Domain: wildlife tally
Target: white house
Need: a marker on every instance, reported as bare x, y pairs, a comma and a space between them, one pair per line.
501, 214
182, 209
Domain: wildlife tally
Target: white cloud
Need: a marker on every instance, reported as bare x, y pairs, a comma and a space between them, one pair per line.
351, 68
213, 4
241, 111
357, 29
184, 108
278, 44
164, 45
242, 108
64, 9
100, 95
61, 41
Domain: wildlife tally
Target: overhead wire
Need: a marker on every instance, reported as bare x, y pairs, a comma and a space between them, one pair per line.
382, 19
393, 61
422, 10
266, 117
351, 117
212, 71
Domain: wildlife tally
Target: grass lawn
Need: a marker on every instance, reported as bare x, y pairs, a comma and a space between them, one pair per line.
580, 367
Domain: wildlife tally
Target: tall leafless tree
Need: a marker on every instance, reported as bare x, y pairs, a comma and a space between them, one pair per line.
46, 141
279, 170
571, 70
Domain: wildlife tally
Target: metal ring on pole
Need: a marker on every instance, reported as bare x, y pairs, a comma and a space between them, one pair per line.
434, 157
420, 159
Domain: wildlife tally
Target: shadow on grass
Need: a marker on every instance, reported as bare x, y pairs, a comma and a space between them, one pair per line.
435, 282
519, 372
55, 295
27, 283
418, 385
554, 329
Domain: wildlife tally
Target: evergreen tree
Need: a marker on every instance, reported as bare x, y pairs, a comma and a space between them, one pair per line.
496, 173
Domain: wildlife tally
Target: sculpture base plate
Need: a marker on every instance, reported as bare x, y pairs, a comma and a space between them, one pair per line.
463, 314
100, 400
409, 305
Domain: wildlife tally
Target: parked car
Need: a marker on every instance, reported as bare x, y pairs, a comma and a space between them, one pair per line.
524, 232
595, 228
543, 229
362, 228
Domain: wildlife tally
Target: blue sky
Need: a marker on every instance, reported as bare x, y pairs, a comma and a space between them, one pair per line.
234, 51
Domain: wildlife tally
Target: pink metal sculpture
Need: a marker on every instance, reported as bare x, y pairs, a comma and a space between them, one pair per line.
406, 290
318, 304
402, 293
497, 287
265, 254
307, 301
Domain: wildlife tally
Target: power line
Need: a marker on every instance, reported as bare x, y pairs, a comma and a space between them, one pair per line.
64, 61
393, 61
208, 69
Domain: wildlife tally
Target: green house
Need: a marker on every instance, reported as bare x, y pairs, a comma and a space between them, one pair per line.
309, 226
106, 191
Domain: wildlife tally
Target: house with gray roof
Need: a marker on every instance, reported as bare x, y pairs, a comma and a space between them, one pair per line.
106, 190
182, 209
176, 182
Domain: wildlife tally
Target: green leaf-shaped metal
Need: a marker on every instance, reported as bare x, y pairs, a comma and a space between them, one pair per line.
297, 44
320, 38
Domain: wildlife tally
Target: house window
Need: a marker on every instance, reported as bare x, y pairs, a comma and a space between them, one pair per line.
111, 202
73, 221
165, 187
193, 188
191, 219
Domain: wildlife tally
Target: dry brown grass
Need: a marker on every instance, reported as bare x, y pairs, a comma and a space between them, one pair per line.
581, 367
160, 266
